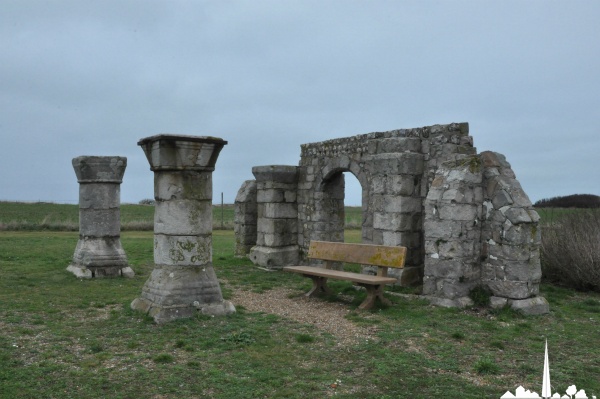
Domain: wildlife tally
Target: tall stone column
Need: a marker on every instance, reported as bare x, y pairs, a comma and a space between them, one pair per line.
277, 225
183, 281
99, 252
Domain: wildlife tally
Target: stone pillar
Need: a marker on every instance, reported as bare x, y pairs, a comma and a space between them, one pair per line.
453, 215
246, 215
511, 239
277, 226
183, 281
99, 252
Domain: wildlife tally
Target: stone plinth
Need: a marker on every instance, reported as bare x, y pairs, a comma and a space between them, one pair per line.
99, 252
183, 281
277, 225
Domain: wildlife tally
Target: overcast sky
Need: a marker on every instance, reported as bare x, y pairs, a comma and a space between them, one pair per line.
93, 77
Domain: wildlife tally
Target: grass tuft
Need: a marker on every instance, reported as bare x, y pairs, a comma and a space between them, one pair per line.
304, 338
486, 366
163, 358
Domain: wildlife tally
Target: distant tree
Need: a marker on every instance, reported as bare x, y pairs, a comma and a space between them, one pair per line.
570, 201
147, 201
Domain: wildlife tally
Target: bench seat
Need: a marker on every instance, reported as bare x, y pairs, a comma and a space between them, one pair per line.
340, 275
365, 254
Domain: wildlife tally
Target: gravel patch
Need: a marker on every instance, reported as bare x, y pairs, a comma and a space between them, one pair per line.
291, 304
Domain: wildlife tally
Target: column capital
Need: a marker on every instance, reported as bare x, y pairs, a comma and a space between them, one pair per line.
99, 169
182, 152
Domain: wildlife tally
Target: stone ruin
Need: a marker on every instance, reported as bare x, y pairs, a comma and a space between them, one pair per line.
183, 281
463, 216
99, 252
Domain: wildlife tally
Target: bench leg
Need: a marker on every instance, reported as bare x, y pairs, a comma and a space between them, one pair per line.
319, 286
373, 292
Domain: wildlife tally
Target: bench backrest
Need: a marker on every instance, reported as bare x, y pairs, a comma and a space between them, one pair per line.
365, 254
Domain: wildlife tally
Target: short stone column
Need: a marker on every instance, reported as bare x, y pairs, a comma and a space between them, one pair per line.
277, 225
99, 252
183, 281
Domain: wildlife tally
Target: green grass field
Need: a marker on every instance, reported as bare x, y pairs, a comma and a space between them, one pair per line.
62, 337
66, 338
65, 217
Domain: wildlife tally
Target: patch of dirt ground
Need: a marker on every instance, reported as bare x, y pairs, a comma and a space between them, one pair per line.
326, 316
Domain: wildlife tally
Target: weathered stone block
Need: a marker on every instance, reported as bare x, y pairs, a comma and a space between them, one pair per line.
99, 252
401, 185
459, 211
395, 164
99, 222
513, 289
396, 145
393, 221
183, 217
277, 226
191, 250
517, 215
276, 173
522, 271
442, 228
270, 195
509, 252
401, 238
497, 302
99, 196
275, 258
464, 175
401, 204
531, 306
280, 211
502, 199
280, 239
183, 185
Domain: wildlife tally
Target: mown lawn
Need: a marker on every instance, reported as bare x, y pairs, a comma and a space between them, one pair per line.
65, 338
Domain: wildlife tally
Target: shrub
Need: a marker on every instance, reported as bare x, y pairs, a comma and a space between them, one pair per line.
146, 201
570, 201
480, 295
571, 251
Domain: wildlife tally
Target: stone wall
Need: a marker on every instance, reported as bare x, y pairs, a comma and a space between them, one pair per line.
425, 189
245, 218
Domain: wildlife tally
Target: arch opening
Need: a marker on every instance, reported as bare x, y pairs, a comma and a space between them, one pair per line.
353, 208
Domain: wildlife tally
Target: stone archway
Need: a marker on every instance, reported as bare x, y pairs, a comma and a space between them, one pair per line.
390, 168
332, 208
412, 181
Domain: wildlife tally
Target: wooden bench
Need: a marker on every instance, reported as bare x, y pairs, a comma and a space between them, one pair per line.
365, 254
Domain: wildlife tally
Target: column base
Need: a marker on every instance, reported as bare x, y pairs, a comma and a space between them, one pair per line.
275, 258
165, 314
176, 292
99, 272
